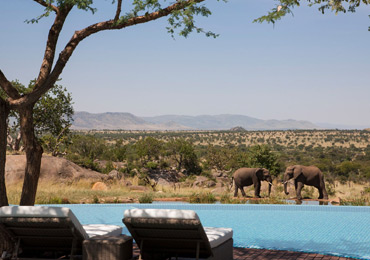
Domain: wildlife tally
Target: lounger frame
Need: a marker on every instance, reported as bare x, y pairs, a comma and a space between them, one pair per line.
43, 234
163, 238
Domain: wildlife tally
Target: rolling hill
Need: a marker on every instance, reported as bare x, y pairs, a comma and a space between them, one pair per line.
127, 121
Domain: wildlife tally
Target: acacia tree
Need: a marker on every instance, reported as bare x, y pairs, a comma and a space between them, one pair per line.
52, 117
181, 17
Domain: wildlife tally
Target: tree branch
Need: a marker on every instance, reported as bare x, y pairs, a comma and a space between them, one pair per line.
8, 87
118, 11
43, 3
51, 44
78, 36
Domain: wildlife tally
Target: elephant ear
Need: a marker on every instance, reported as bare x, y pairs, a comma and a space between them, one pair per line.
259, 173
297, 171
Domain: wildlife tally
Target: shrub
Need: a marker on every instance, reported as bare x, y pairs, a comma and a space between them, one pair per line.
108, 167
95, 199
152, 165
55, 200
202, 198
146, 198
330, 189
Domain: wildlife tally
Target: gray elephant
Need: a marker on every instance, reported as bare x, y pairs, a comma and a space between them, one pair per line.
305, 175
248, 176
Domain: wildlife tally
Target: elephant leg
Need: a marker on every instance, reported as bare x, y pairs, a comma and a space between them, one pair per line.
257, 190
243, 193
236, 191
299, 187
322, 191
321, 195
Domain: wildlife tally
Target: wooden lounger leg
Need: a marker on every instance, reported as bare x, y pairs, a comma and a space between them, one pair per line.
141, 248
74, 243
15, 253
198, 248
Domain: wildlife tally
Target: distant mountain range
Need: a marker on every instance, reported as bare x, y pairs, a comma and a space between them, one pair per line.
127, 121
340, 126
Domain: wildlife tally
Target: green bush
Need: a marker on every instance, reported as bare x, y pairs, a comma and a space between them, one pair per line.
95, 199
330, 189
55, 200
164, 164
108, 167
152, 165
202, 198
146, 198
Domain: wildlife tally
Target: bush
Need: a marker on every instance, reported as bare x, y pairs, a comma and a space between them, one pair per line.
202, 198
146, 198
95, 199
151, 165
330, 189
108, 167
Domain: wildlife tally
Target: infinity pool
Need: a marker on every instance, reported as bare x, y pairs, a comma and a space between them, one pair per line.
333, 230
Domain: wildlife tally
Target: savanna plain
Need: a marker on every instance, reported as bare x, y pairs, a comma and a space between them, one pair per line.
196, 166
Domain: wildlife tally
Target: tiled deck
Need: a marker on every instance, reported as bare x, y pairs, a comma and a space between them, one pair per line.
262, 254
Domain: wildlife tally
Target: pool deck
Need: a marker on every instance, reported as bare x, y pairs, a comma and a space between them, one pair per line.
263, 254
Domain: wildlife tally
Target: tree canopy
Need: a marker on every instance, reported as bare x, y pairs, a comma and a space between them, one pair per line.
52, 116
284, 7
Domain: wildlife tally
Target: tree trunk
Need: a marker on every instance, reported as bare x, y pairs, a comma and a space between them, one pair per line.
4, 112
34, 152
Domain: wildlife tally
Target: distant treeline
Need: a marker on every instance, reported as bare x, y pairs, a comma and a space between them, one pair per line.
341, 155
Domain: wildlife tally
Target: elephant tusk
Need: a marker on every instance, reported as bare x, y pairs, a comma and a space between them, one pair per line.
270, 183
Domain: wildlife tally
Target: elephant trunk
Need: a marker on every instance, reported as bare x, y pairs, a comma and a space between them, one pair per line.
269, 180
286, 179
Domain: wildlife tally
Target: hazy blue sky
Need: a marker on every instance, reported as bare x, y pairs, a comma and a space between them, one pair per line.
308, 67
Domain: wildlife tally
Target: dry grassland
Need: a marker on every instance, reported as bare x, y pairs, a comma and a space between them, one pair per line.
81, 192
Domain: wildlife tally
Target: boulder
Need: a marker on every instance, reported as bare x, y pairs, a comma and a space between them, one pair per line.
164, 182
210, 184
115, 175
216, 173
52, 169
200, 181
99, 186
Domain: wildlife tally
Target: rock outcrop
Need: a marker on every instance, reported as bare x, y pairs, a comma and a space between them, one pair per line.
52, 168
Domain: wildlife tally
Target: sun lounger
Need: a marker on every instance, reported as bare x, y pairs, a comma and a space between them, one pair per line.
164, 233
48, 229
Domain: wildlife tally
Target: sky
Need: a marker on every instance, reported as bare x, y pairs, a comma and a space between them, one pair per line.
309, 66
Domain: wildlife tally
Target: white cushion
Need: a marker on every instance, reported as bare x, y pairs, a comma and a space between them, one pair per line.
87, 231
217, 236
42, 212
161, 213
93, 230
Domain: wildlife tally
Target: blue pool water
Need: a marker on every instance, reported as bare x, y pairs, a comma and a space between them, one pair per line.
334, 230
